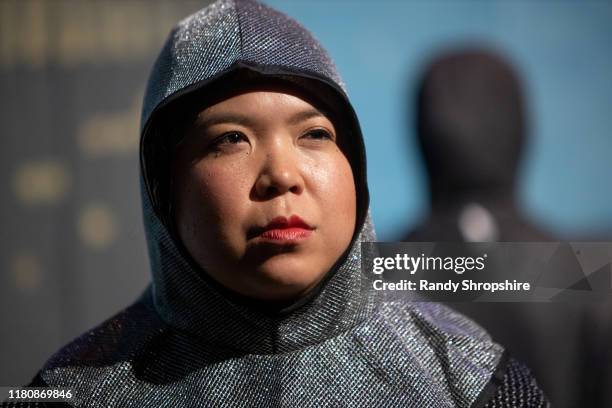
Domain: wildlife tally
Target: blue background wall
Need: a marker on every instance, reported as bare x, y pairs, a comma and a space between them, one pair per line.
563, 51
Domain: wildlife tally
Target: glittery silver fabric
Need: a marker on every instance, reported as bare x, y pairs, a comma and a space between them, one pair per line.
186, 344
517, 388
210, 41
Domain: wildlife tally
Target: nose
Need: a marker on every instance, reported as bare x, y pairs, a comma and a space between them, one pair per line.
279, 173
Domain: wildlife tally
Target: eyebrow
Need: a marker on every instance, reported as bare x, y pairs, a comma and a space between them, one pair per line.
305, 115
230, 117
247, 121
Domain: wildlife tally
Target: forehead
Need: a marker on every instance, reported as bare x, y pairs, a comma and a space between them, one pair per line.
261, 106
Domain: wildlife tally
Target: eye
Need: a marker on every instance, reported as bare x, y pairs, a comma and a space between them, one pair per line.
228, 143
230, 138
318, 134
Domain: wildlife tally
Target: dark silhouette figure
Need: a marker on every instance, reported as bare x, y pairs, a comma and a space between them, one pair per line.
472, 130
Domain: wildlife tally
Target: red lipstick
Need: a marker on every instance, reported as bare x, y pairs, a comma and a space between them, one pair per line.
283, 229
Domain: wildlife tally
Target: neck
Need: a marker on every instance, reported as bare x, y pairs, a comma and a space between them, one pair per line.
494, 199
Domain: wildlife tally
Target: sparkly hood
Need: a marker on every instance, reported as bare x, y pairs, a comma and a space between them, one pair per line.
202, 51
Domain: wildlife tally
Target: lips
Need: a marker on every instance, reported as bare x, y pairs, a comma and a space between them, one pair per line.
285, 230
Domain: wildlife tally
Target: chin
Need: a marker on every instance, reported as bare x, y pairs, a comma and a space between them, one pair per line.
283, 278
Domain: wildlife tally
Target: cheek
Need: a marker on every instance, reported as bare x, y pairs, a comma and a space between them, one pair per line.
213, 200
335, 186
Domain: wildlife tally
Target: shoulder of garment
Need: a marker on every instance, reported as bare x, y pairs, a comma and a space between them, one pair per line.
457, 341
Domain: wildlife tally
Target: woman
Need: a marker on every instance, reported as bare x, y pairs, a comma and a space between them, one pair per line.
255, 203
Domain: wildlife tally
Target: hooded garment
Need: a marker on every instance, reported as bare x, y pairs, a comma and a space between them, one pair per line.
472, 130
188, 343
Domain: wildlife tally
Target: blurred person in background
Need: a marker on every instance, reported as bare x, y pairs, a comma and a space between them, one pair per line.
472, 130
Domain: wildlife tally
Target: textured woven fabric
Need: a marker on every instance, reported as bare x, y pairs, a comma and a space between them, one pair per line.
517, 389
411, 356
208, 42
187, 344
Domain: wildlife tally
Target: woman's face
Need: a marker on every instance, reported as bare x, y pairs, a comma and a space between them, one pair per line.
264, 197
